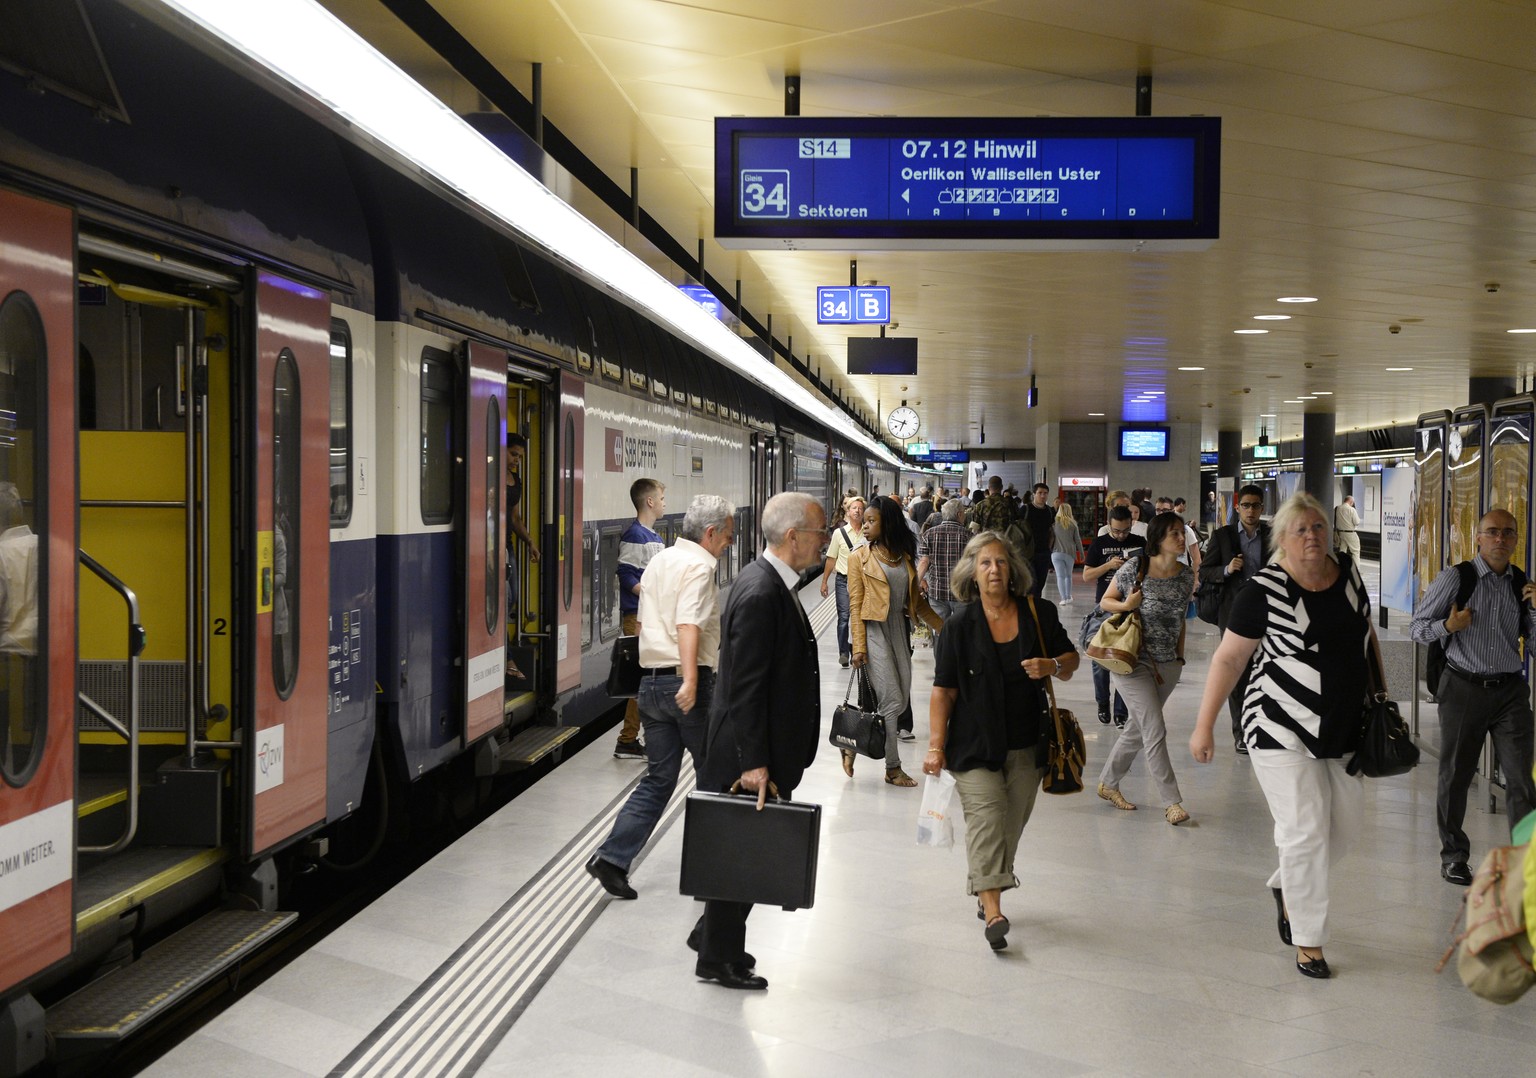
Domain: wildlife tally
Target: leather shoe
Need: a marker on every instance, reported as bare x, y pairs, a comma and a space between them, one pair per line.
1284, 922
729, 975
1240, 748
695, 940
613, 878
1314, 967
1456, 872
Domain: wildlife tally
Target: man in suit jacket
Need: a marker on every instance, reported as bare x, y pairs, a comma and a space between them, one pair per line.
1233, 553
765, 720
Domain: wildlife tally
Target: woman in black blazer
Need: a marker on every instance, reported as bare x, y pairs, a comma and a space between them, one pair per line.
987, 711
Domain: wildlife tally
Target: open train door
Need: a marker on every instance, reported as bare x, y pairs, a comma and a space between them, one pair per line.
37, 570
482, 540
569, 432
288, 477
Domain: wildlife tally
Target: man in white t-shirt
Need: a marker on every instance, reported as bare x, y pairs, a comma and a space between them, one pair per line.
1120, 497
846, 538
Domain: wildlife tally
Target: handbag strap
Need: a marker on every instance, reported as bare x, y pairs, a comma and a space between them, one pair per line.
855, 676
1050, 689
1374, 678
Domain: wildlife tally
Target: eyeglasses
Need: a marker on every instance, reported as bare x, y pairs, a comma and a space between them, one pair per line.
1250, 505
1499, 533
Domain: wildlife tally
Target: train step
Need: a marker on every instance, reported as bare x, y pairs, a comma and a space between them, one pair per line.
110, 1008
524, 749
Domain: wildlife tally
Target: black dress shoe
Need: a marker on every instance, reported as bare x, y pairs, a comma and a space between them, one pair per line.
613, 878
729, 975
1104, 716
1314, 967
1240, 748
1456, 872
1284, 923
695, 941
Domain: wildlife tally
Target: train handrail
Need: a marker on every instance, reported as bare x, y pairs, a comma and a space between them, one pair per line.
130, 731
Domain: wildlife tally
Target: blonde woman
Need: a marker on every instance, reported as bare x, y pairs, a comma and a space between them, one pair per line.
1066, 550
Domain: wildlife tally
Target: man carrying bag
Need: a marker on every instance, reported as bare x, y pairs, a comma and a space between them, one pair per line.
1233, 553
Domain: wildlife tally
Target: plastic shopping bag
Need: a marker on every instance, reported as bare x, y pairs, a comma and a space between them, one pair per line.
935, 824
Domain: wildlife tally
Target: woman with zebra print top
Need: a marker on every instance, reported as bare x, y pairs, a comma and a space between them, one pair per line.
1304, 624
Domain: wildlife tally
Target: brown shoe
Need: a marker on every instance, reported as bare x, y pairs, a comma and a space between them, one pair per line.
897, 777
1176, 815
847, 763
1114, 797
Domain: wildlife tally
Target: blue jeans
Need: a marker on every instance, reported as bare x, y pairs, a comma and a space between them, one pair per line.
1101, 692
1062, 562
667, 733
841, 587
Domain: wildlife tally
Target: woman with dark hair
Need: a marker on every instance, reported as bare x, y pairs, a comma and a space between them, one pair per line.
882, 593
985, 714
1160, 590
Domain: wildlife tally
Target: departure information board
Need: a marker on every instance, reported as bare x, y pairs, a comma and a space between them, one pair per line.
830, 183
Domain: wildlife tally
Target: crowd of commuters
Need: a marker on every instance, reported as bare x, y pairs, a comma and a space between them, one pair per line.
740, 691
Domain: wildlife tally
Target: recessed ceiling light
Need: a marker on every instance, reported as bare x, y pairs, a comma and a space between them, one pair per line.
1154, 392
1306, 398
1266, 415
1397, 368
1520, 331
1297, 299
1250, 331
1296, 401
1096, 413
1271, 318
1322, 392
1191, 368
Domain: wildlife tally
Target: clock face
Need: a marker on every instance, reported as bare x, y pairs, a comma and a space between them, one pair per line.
903, 422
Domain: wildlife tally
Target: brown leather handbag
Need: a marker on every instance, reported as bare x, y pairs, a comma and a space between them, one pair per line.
1066, 752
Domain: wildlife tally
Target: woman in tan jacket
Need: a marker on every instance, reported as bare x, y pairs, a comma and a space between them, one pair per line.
882, 593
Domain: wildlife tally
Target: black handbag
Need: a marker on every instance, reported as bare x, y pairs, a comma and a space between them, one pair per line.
734, 853
1386, 745
1066, 754
859, 727
624, 668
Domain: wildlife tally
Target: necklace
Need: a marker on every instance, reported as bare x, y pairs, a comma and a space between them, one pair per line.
1001, 611
886, 556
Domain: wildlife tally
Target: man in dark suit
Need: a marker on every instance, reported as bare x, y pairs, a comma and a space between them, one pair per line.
765, 720
1232, 554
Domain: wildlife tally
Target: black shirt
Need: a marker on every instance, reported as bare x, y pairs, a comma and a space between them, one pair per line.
514, 496
1042, 522
1022, 703
1103, 548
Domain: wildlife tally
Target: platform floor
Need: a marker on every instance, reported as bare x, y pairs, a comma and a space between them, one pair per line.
1137, 948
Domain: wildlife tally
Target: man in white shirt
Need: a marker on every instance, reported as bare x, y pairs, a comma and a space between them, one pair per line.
679, 649
1346, 525
1120, 497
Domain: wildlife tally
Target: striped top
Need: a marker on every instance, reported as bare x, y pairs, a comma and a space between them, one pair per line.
637, 546
1490, 645
1308, 684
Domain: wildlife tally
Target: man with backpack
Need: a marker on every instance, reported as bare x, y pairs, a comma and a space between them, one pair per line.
1477, 611
1232, 554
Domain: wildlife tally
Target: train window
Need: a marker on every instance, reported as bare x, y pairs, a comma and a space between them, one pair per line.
341, 424
588, 584
608, 606
286, 439
494, 567
23, 557
437, 436
568, 507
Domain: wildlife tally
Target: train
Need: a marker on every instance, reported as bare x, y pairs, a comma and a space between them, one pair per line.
256, 381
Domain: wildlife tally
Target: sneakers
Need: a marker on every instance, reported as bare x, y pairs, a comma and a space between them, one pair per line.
842, 659
1119, 722
629, 750
905, 735
1104, 716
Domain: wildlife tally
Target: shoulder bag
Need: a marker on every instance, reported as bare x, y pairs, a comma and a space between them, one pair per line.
1116, 645
1066, 753
624, 668
858, 727
1386, 745
1493, 954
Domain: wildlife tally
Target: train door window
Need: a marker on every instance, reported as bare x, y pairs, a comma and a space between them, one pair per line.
341, 424
286, 440
493, 557
568, 508
23, 556
437, 437
608, 558
589, 584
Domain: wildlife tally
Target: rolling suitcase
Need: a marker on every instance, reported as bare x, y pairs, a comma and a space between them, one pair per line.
734, 853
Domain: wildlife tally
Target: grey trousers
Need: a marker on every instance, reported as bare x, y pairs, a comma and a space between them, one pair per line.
1469, 713
890, 675
997, 805
1144, 728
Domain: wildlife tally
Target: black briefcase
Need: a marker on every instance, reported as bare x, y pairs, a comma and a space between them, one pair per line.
734, 853
624, 668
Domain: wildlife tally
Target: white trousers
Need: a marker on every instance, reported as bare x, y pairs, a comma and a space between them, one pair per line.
1318, 810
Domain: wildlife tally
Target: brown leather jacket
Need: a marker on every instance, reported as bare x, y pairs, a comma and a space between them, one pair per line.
869, 596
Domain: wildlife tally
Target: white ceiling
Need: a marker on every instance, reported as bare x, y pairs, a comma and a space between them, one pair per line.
1380, 156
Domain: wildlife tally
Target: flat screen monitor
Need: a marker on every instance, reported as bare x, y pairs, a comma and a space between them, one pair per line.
882, 355
1143, 443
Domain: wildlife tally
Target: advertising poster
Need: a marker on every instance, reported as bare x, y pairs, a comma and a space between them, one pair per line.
1397, 531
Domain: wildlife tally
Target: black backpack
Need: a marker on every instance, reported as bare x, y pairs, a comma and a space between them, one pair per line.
1434, 662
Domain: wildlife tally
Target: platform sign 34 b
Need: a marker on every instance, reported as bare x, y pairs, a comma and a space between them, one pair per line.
866, 305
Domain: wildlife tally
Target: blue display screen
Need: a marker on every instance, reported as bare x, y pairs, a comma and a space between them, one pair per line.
1150, 443
977, 179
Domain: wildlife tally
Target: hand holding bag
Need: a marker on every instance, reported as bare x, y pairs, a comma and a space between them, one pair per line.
1117, 644
935, 820
1066, 751
624, 668
859, 727
1386, 744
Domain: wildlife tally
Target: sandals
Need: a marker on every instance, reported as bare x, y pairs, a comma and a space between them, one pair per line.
894, 776
1175, 814
996, 932
847, 763
1114, 797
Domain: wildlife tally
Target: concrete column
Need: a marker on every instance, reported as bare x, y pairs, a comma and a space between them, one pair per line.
1317, 439
1229, 456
